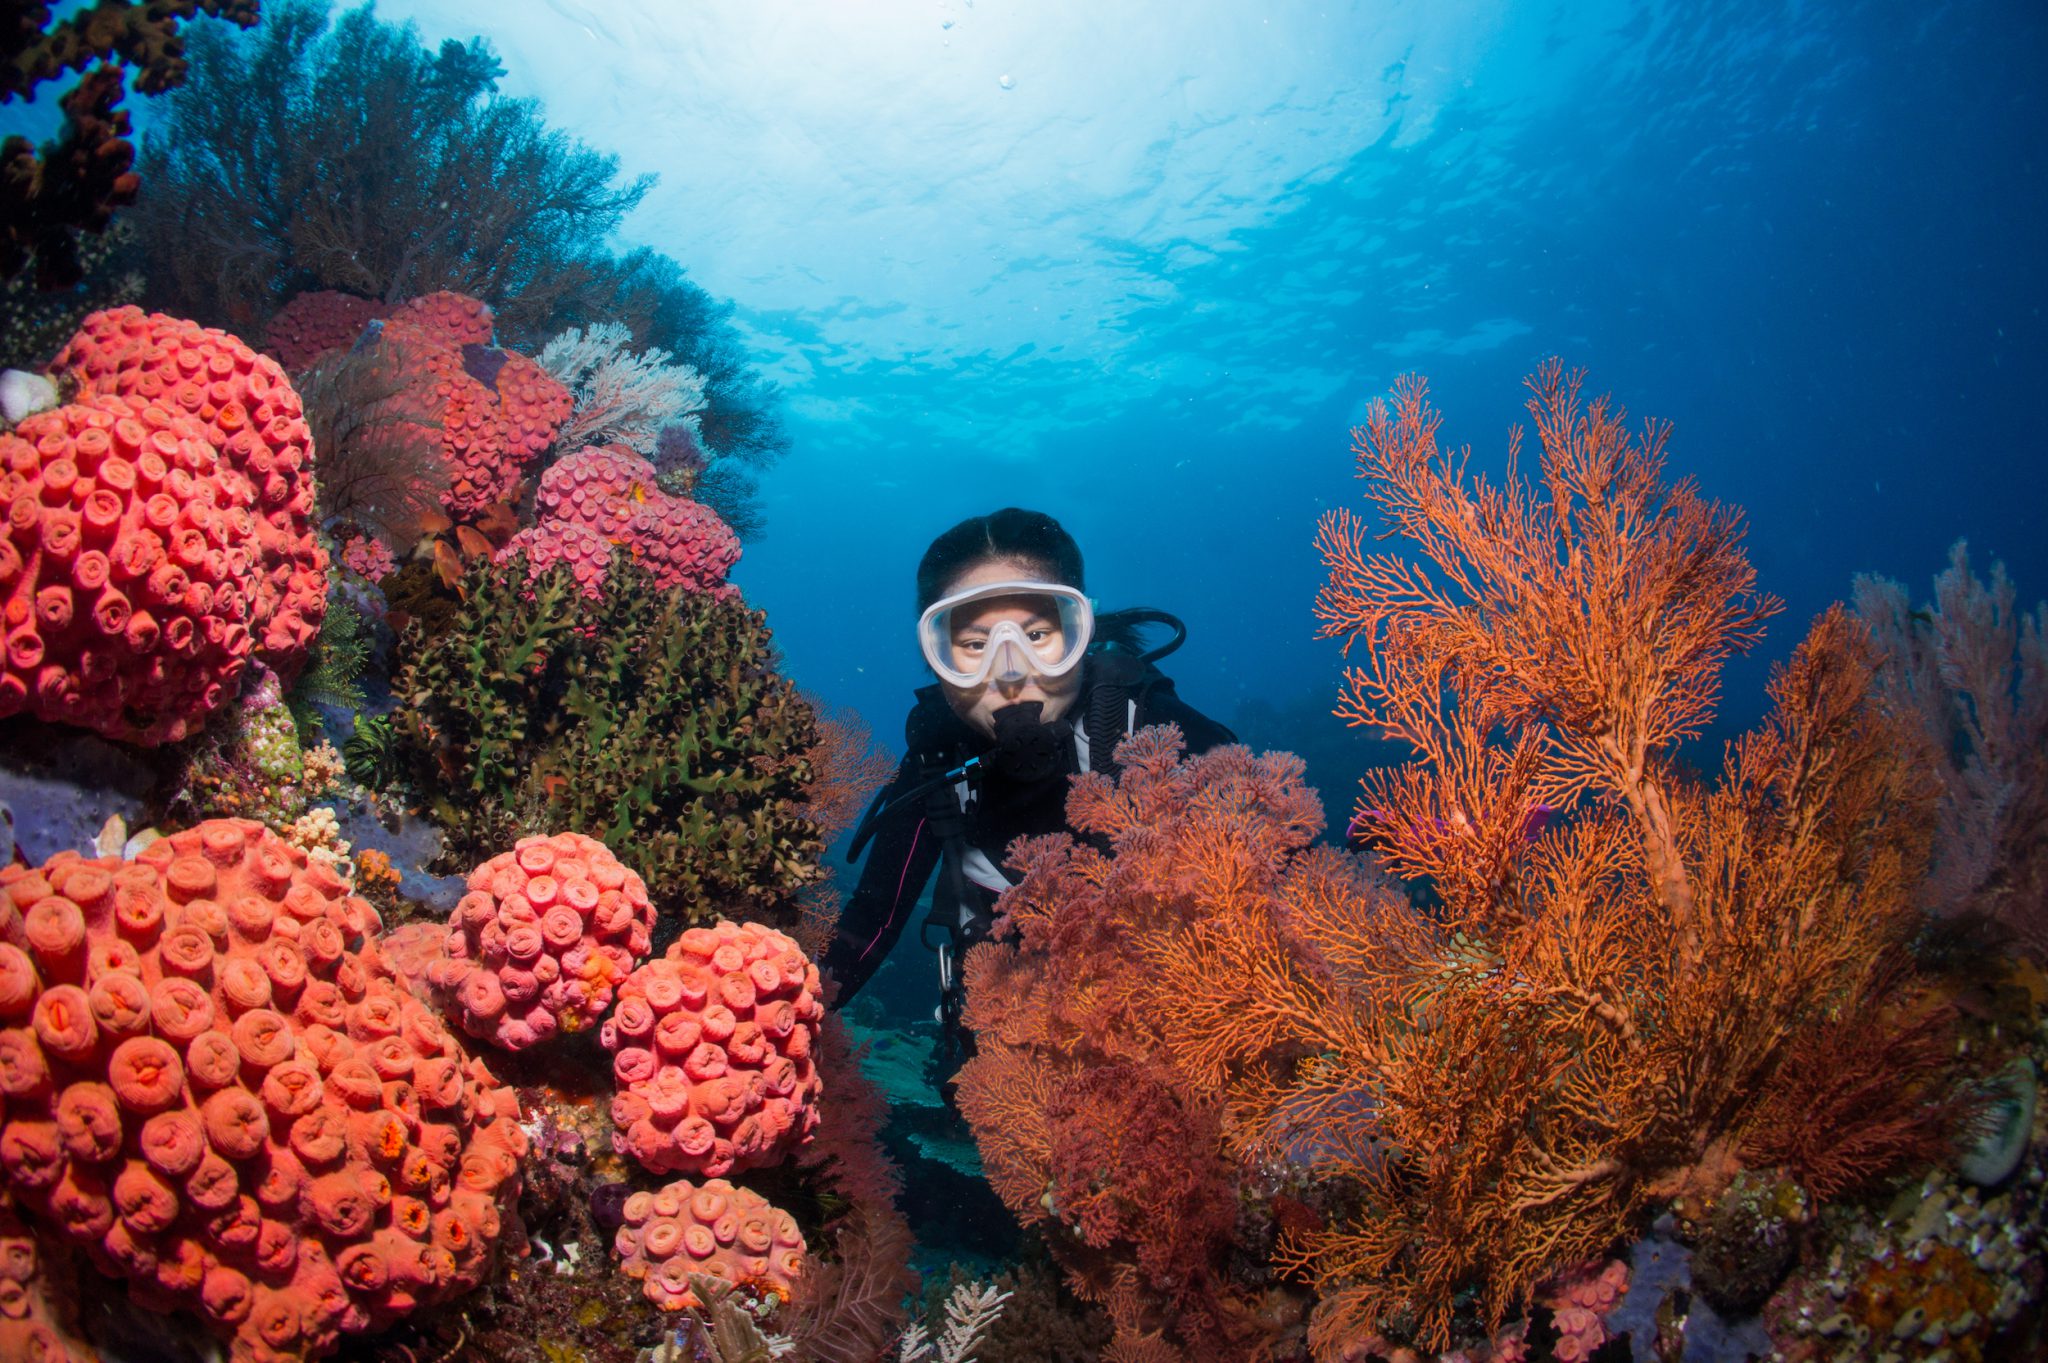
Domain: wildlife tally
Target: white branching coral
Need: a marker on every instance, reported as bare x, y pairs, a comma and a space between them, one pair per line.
620, 396
970, 1312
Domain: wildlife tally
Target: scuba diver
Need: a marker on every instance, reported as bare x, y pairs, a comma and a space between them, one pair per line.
1033, 688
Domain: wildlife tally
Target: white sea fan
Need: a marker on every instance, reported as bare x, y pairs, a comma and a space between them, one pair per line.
620, 396
970, 1311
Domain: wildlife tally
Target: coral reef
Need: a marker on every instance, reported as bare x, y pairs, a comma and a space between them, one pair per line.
849, 1303
380, 470
711, 1229
315, 322
972, 1310
74, 184
392, 171
333, 675
847, 768
601, 502
541, 938
534, 405
145, 38
462, 415
653, 721
1530, 1042
127, 558
1039, 1324
621, 396
34, 1322
1944, 1270
252, 416
1748, 1242
488, 412
679, 459
1493, 1075
34, 325
215, 1088
1973, 677
454, 320
62, 786
712, 1050
1579, 1303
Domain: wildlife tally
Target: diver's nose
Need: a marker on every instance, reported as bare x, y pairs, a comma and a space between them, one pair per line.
1009, 668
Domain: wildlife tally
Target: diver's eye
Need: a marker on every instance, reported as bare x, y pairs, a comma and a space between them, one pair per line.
970, 645
1039, 636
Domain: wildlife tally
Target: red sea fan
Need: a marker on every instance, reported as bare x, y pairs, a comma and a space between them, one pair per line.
849, 1307
847, 768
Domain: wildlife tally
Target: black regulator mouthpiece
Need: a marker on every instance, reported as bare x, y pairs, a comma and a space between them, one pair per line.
1027, 748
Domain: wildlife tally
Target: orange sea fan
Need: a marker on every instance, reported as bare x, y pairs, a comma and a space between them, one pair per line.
847, 768
1616, 999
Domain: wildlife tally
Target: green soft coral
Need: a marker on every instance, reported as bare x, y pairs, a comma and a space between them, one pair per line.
654, 721
334, 670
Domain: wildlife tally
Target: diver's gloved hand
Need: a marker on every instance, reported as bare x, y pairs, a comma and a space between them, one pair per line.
1027, 748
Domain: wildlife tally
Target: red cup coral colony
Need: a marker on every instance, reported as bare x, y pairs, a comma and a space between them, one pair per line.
541, 938
212, 1085
713, 1052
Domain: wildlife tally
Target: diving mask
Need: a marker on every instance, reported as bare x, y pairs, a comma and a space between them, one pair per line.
1007, 632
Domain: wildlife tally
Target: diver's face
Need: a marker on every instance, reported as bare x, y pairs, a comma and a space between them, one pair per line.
1040, 622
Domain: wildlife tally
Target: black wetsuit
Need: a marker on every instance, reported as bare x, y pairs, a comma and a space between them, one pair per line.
1119, 696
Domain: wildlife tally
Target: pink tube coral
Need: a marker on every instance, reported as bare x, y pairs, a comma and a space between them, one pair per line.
316, 322
452, 319
714, 1229
712, 1050
545, 934
603, 500
241, 1112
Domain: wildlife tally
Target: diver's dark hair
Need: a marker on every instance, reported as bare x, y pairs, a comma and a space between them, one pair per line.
1031, 537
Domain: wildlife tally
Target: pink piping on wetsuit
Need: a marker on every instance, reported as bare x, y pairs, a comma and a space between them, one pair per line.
897, 903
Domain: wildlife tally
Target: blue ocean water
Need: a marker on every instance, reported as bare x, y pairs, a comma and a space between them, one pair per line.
1142, 265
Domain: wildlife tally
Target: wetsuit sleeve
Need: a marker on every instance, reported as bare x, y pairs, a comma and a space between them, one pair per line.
1164, 706
899, 862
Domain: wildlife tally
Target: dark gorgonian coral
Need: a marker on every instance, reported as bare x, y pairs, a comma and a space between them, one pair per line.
80, 178
653, 721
